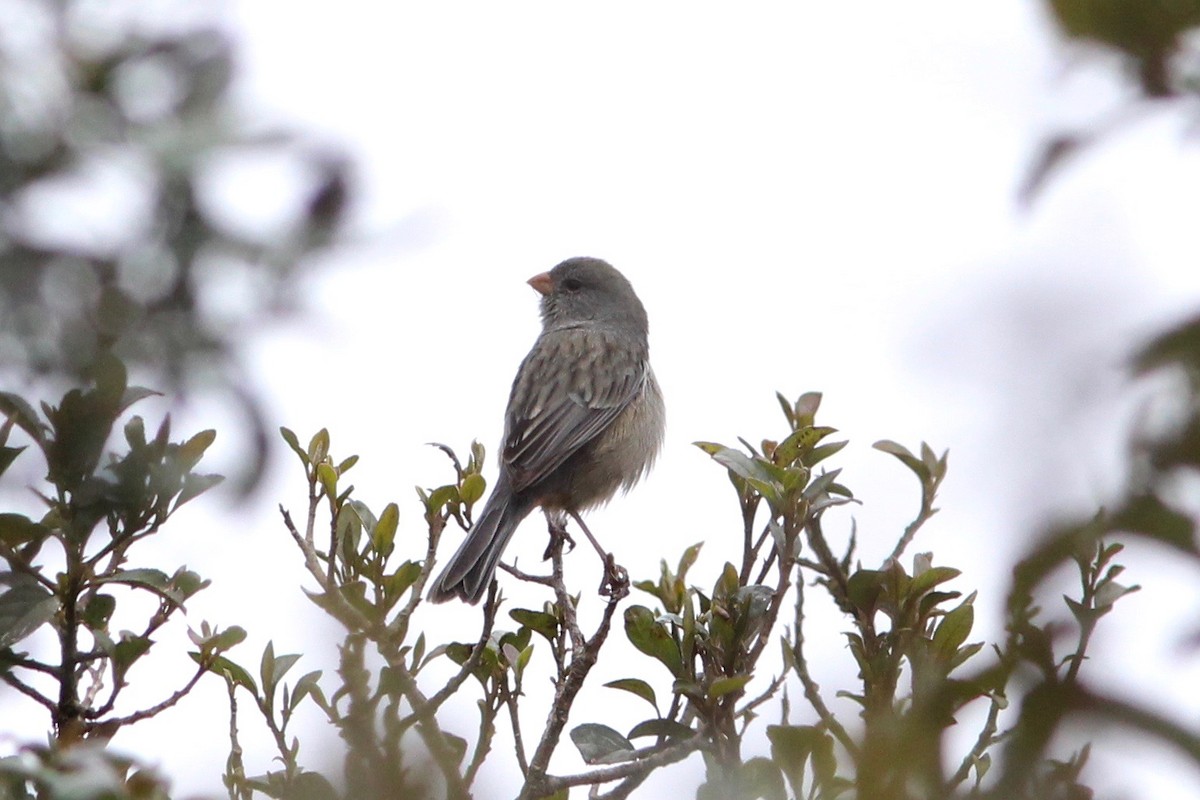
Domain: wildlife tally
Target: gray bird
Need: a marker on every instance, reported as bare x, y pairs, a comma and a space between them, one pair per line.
585, 417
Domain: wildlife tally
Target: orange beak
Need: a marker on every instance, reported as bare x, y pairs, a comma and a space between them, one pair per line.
542, 282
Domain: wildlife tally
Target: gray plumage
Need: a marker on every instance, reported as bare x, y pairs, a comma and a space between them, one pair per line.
585, 416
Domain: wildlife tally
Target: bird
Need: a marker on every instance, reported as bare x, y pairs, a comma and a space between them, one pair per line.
585, 418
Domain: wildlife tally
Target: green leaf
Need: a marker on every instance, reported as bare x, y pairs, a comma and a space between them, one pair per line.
318, 446
954, 629
230, 637
191, 451
98, 611
636, 686
306, 686
128, 650
152, 580
1110, 592
688, 559
15, 407
135, 394
472, 488
723, 686
195, 485
901, 452
806, 408
17, 529
761, 778
405, 576
652, 638
537, 621
24, 608
661, 727
791, 746
294, 443
384, 533
823, 452
930, 578
1149, 516
327, 476
7, 456
864, 588
220, 665
600, 744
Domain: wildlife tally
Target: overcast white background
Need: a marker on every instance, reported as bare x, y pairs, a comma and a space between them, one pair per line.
807, 196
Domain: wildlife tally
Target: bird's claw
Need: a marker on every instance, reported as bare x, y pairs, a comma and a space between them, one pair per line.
558, 536
616, 579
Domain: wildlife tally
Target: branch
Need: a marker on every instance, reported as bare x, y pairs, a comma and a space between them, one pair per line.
655, 757
432, 704
584, 653
27, 690
146, 713
985, 740
510, 700
811, 690
910, 532
544, 580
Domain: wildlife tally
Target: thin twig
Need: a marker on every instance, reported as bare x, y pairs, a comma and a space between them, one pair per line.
28, 691
910, 532
511, 569
432, 704
157, 708
770, 691
982, 743
510, 700
811, 690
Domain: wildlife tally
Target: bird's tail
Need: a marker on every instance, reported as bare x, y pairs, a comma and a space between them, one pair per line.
470, 569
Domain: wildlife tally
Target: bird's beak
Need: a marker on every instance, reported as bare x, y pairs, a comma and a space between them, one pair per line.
542, 282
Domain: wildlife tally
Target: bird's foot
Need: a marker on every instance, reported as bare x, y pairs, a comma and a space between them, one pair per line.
616, 579
558, 537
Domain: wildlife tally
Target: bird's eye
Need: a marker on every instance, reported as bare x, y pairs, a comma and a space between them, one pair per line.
572, 284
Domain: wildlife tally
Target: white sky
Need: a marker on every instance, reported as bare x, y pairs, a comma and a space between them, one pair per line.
806, 196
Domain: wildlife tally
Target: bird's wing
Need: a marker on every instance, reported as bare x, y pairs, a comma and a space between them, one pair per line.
570, 387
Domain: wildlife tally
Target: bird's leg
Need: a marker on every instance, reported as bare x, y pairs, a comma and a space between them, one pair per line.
616, 579
557, 525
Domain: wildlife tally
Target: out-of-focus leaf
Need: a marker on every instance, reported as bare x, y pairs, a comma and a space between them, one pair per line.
24, 608
195, 485
220, 665
18, 529
1150, 517
723, 686
906, 457
953, 630
791, 746
600, 744
636, 686
661, 727
760, 777
98, 610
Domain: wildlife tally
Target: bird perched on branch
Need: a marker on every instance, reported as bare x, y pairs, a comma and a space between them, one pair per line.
585, 418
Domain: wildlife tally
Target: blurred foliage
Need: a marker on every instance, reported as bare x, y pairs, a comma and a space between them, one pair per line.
71, 572
114, 126
1157, 43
